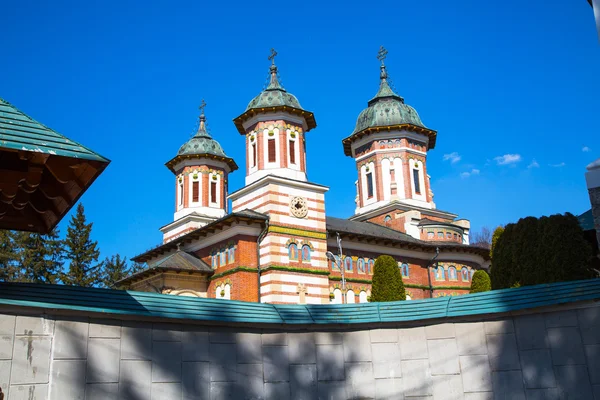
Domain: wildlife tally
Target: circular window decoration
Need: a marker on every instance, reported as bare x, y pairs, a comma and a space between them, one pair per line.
298, 207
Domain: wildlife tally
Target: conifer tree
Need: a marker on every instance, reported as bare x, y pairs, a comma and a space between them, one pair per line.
9, 266
480, 282
497, 233
40, 256
114, 269
81, 252
387, 281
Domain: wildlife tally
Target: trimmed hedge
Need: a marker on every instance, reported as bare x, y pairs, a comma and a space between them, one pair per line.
387, 281
481, 282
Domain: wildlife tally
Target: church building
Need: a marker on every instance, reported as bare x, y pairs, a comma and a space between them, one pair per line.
276, 244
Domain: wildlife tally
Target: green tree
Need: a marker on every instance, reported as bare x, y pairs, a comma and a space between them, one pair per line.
40, 256
544, 250
81, 252
497, 233
387, 281
481, 282
114, 269
9, 266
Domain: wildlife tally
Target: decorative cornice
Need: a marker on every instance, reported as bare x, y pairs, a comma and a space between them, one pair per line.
297, 232
298, 270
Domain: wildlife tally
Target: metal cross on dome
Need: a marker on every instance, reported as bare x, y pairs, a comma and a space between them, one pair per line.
382, 54
202, 106
272, 56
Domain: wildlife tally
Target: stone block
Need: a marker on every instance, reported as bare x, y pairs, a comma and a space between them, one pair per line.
447, 387
70, 340
330, 362
224, 391
274, 339
596, 390
108, 328
384, 335
480, 396
590, 334
6, 346
135, 379
103, 360
476, 374
359, 380
302, 348
499, 326
223, 362
7, 324
5, 375
195, 380
389, 389
531, 332
566, 347
166, 362
249, 348
303, 381
573, 382
416, 378
542, 394
443, 356
470, 338
136, 341
102, 391
558, 319
508, 385
592, 354
276, 363
413, 344
68, 379
356, 346
331, 390
278, 390
222, 335
166, 332
34, 325
502, 352
31, 360
28, 392
386, 360
250, 379
328, 338
589, 316
162, 391
194, 345
440, 331
537, 369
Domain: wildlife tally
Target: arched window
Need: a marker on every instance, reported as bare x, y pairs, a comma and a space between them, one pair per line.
452, 273
350, 297
214, 260
405, 270
348, 264
360, 265
408, 297
337, 296
293, 252
231, 255
440, 274
387, 218
223, 291
371, 265
222, 257
362, 297
305, 253
465, 274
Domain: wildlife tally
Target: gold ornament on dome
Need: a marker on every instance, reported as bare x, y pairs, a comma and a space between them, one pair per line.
298, 207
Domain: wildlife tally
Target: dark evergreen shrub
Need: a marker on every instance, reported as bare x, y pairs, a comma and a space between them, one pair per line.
481, 282
387, 281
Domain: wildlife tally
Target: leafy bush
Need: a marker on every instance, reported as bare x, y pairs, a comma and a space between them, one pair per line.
387, 281
481, 282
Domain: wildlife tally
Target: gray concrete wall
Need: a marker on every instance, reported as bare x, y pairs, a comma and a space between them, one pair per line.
539, 355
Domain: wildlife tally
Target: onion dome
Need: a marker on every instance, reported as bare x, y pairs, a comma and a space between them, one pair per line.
387, 111
202, 145
274, 98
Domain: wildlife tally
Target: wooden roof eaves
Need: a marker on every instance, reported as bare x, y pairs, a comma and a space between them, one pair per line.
375, 129
309, 116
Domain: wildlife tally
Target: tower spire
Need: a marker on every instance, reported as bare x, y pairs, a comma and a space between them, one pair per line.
384, 87
202, 126
274, 82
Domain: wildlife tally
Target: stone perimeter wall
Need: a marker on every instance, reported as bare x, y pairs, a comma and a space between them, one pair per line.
547, 354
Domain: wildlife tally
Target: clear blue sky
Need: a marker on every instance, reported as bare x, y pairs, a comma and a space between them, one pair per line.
513, 79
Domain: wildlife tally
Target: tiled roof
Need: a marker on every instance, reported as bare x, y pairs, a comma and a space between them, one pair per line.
586, 220
367, 229
20, 132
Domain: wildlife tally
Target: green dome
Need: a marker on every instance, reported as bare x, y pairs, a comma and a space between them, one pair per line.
274, 95
386, 109
201, 143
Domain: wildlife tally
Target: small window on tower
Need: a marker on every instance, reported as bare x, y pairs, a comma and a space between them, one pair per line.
292, 152
271, 147
181, 193
213, 192
195, 191
369, 185
254, 154
417, 181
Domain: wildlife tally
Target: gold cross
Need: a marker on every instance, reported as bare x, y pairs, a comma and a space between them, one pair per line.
382, 54
272, 56
202, 105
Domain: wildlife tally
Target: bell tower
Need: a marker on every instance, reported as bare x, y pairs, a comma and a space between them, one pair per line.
201, 170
